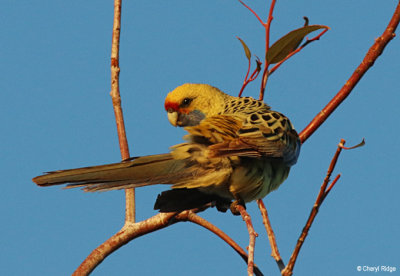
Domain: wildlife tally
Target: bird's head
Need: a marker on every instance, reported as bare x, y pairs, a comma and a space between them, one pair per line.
190, 103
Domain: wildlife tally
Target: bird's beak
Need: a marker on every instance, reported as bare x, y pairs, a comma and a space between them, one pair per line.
173, 118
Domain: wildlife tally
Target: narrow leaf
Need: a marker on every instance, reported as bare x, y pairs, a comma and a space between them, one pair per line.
290, 42
246, 49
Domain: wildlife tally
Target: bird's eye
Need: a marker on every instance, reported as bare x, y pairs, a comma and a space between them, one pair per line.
186, 102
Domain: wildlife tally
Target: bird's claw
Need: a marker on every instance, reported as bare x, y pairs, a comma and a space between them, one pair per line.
234, 205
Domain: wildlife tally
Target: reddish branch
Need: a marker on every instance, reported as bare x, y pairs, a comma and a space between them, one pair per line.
252, 238
253, 76
131, 231
267, 38
193, 217
267, 26
288, 270
245, 81
271, 236
372, 55
115, 95
116, 100
119, 238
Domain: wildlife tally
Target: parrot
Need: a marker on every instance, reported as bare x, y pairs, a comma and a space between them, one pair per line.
236, 150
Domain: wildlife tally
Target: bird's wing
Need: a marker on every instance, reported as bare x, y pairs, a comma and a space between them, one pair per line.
260, 135
215, 130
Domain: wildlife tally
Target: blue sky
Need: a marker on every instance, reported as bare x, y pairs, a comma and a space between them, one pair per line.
56, 114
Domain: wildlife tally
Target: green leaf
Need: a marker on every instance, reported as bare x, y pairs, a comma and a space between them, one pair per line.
290, 42
246, 49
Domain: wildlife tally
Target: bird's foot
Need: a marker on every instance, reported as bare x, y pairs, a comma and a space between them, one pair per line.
222, 205
234, 205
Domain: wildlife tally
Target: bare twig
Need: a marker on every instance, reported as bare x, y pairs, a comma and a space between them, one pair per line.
253, 12
252, 237
131, 231
267, 26
372, 55
267, 39
117, 240
116, 100
288, 270
248, 55
271, 236
332, 166
193, 217
245, 81
253, 76
331, 186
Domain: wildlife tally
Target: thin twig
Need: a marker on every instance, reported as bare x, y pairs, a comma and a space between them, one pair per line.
115, 241
271, 236
131, 231
193, 217
253, 12
372, 55
288, 270
332, 166
245, 81
331, 186
127, 233
252, 238
267, 26
267, 39
253, 76
116, 100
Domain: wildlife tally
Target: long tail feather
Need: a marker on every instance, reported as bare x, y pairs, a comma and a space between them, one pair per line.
142, 171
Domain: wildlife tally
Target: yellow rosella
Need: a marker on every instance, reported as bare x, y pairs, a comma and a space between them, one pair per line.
237, 149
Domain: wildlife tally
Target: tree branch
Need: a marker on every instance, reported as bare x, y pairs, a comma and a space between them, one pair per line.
128, 232
252, 238
193, 217
131, 231
288, 270
253, 12
267, 39
116, 100
372, 55
271, 236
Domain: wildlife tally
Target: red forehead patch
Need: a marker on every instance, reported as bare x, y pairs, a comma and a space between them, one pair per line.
171, 105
